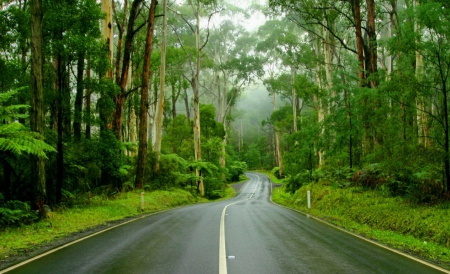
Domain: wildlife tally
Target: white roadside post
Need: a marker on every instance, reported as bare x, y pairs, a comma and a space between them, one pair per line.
308, 195
142, 201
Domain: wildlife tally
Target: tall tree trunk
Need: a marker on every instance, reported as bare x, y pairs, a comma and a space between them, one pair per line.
88, 102
195, 88
372, 35
278, 155
294, 98
143, 141
320, 107
359, 40
37, 114
186, 105
120, 98
162, 85
79, 98
107, 30
422, 119
121, 26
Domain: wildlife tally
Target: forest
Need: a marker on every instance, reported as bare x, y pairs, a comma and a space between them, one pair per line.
100, 97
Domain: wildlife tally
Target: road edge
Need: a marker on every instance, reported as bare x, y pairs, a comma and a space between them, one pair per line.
438, 268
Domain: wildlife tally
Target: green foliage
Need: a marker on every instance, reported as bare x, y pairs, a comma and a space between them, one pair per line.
15, 137
293, 183
16, 213
276, 172
235, 169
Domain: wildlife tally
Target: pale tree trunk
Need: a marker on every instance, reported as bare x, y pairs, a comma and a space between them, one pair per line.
328, 51
37, 113
422, 128
152, 115
121, 27
161, 99
107, 30
195, 87
142, 151
320, 108
294, 98
278, 154
79, 98
223, 109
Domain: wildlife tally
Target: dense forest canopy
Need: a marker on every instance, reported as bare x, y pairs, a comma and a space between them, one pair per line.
102, 96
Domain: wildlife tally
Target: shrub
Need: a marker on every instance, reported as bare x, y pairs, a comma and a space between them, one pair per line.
17, 213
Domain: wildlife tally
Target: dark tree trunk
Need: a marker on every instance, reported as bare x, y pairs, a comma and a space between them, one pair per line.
186, 104
372, 47
143, 140
37, 117
88, 103
79, 98
445, 123
359, 39
120, 98
60, 128
6, 186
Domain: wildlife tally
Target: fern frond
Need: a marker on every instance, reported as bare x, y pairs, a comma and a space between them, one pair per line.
17, 139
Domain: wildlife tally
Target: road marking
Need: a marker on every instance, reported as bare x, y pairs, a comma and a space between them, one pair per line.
222, 245
79, 240
365, 239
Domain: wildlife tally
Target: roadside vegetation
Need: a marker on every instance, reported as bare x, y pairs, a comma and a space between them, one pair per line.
422, 230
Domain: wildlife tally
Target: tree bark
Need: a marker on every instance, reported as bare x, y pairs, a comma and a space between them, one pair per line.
372, 35
88, 103
120, 98
294, 99
79, 98
359, 40
143, 141
195, 88
107, 31
162, 85
37, 114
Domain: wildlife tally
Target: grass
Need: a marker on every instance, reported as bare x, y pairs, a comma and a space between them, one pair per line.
95, 212
423, 231
271, 176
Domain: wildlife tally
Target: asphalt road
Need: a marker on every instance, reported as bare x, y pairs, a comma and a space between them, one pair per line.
247, 234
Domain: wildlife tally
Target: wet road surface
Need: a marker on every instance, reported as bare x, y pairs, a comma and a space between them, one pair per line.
247, 234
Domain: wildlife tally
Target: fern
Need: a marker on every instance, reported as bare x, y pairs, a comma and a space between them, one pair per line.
179, 161
15, 137
204, 166
11, 112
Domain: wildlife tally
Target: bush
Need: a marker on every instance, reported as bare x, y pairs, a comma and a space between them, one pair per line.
293, 183
370, 177
17, 213
235, 169
276, 172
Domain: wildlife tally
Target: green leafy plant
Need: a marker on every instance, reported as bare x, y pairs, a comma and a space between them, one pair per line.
15, 137
17, 213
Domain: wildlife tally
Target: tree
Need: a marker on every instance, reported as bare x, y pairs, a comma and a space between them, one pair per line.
142, 152
37, 115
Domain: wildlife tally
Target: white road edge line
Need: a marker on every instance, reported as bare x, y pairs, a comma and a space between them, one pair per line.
222, 244
361, 237
78, 240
